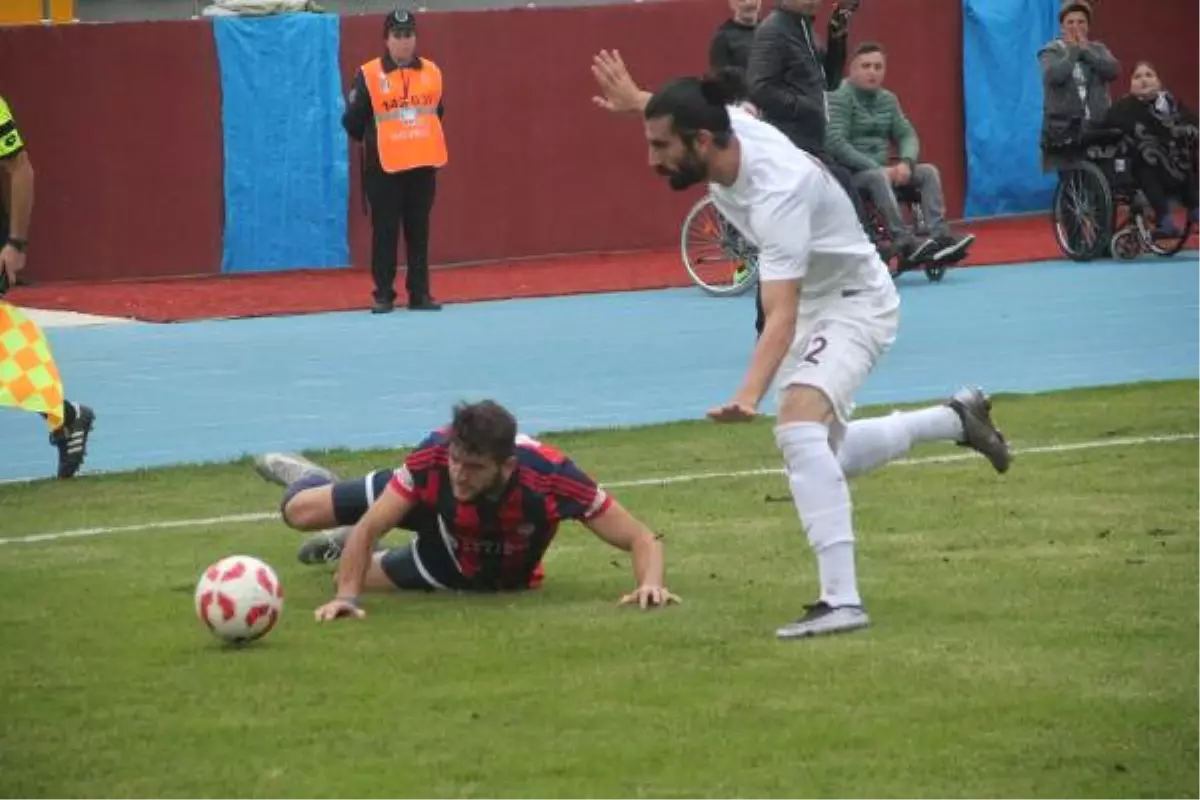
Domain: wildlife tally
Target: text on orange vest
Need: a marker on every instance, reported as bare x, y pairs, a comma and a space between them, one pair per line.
405, 103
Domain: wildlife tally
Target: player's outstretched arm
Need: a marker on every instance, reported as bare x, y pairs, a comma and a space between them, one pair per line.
780, 300
622, 530
618, 91
782, 264
356, 555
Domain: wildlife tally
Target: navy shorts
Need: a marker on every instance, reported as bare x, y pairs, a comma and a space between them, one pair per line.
427, 563
399, 564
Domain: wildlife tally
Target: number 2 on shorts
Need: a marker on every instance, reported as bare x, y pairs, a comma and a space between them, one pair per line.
816, 345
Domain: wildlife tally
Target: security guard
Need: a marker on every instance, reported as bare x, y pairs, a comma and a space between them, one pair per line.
72, 425
395, 110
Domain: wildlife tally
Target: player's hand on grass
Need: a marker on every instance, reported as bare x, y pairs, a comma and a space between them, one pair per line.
650, 597
338, 608
733, 411
619, 93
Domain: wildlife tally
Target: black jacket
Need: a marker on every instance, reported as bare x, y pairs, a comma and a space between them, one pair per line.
789, 73
731, 46
359, 121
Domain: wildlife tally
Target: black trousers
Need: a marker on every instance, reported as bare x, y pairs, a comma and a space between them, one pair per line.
400, 200
844, 178
1160, 186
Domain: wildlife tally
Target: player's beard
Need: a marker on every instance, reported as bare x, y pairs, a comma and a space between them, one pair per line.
492, 492
690, 171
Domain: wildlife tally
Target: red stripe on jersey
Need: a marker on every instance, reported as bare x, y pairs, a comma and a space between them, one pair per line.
428, 458
433, 488
538, 481
550, 503
466, 531
545, 485
399, 488
604, 506
548, 452
578, 491
517, 534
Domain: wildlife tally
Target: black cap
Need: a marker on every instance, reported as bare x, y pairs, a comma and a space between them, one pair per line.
399, 20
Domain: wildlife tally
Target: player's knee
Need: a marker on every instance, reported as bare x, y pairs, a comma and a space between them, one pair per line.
305, 506
303, 513
804, 403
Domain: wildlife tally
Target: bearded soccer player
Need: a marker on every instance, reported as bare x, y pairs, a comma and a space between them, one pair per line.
831, 312
483, 503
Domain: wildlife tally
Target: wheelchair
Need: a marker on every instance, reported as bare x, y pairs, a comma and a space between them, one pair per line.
722, 263
1098, 209
716, 256
880, 233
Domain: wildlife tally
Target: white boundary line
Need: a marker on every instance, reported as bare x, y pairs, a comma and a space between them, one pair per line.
233, 519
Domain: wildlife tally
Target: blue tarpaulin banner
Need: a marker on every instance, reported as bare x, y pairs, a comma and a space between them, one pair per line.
1002, 97
287, 170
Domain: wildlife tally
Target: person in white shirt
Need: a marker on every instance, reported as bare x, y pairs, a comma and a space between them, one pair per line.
831, 312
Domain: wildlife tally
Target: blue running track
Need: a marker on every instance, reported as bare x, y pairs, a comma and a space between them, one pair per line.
210, 391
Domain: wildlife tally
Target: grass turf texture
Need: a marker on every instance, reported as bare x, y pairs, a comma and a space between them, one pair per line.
1035, 635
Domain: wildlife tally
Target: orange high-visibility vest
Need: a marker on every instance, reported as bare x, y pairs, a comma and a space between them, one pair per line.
405, 103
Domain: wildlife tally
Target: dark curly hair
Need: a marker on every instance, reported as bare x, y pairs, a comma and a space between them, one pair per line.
485, 428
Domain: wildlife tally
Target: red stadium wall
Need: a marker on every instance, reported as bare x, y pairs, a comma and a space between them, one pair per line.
123, 123
536, 168
124, 126
1164, 36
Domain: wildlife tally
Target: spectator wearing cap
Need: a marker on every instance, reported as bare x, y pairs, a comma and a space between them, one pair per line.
1076, 75
395, 110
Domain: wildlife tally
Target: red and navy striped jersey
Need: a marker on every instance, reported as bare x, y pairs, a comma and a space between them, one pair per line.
499, 544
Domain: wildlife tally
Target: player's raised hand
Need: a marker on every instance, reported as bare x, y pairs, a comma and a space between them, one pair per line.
336, 609
650, 597
734, 411
619, 93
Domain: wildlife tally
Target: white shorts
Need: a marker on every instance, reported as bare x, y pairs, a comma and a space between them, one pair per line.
838, 344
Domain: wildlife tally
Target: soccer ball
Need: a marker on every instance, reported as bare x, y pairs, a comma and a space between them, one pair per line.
239, 598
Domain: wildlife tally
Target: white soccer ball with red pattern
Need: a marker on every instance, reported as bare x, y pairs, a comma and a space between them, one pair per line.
239, 598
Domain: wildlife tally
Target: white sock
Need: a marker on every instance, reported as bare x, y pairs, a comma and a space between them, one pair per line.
932, 424
822, 500
870, 443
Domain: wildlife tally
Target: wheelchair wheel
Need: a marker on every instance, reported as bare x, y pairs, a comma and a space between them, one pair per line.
1165, 246
715, 255
1127, 243
1083, 211
935, 272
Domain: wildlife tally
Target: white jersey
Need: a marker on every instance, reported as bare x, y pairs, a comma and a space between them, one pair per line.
788, 204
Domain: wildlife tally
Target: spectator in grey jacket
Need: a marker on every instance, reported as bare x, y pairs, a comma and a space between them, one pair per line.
789, 73
1076, 75
790, 70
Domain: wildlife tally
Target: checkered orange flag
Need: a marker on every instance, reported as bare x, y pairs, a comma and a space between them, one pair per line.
29, 378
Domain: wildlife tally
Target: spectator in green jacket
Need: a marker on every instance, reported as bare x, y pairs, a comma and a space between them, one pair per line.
865, 124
